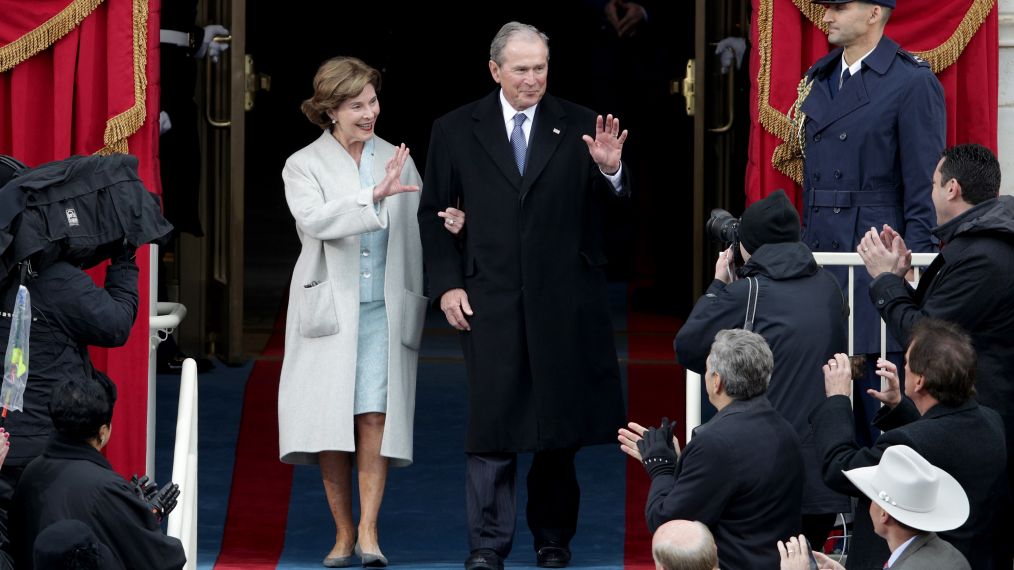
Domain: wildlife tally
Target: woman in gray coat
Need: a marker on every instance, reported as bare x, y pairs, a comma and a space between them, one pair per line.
356, 308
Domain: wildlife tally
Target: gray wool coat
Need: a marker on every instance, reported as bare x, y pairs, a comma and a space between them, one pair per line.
317, 388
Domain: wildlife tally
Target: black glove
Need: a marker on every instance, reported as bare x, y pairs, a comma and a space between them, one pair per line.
144, 488
657, 451
165, 501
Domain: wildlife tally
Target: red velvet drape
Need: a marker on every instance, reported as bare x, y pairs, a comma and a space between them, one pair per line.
89, 91
970, 83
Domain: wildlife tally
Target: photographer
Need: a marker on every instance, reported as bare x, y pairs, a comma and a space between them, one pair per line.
783, 295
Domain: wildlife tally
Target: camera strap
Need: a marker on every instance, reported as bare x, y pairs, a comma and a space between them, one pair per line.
751, 302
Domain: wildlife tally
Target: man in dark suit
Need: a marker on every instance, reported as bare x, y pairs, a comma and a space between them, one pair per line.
742, 473
525, 285
938, 418
875, 125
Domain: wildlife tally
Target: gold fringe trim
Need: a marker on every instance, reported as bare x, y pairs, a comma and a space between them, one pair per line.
787, 157
121, 126
47, 34
940, 57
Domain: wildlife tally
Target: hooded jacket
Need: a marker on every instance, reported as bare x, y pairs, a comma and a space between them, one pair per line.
802, 315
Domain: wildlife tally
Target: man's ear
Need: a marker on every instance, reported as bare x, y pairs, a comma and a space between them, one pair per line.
918, 382
718, 382
954, 190
494, 70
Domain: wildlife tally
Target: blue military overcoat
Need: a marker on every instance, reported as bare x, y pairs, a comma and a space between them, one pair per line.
870, 151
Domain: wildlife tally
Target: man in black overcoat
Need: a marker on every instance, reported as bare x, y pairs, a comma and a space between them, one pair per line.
742, 473
938, 418
525, 285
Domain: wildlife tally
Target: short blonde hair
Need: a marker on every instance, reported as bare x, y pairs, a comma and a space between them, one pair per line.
338, 79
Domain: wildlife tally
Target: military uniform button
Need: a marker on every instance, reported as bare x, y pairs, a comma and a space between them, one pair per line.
837, 173
880, 302
816, 137
837, 210
816, 243
834, 244
816, 176
843, 136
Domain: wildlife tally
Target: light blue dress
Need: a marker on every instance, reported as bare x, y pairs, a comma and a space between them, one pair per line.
372, 345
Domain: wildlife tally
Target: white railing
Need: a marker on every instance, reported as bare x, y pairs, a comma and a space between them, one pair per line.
183, 520
162, 319
851, 260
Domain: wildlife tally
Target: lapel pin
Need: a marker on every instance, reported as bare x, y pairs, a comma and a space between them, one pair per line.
556, 131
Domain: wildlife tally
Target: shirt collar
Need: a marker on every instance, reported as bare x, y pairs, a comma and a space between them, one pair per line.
899, 551
509, 112
855, 67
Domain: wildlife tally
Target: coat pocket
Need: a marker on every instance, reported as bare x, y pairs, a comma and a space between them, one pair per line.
318, 315
412, 319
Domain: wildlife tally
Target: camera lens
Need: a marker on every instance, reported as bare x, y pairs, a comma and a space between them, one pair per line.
722, 226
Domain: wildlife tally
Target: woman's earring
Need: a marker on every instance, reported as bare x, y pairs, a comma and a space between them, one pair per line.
333, 122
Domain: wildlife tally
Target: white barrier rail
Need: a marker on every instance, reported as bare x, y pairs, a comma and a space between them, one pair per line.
183, 520
826, 259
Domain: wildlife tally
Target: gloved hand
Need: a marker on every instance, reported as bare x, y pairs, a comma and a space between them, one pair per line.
165, 501
164, 123
656, 449
144, 488
730, 48
210, 48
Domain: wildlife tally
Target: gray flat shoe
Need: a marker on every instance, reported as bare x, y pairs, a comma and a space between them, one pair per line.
370, 559
341, 561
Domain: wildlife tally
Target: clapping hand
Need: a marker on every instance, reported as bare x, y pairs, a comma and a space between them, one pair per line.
165, 501
884, 252
607, 146
838, 376
891, 394
391, 184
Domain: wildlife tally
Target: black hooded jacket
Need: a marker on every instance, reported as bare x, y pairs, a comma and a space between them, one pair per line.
802, 315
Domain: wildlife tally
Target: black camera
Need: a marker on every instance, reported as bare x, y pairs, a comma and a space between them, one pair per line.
722, 227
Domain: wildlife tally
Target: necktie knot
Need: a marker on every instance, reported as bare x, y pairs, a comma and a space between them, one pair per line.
518, 143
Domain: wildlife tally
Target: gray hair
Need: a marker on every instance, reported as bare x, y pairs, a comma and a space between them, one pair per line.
743, 360
508, 31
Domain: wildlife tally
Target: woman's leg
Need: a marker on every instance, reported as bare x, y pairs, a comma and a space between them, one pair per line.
336, 471
372, 477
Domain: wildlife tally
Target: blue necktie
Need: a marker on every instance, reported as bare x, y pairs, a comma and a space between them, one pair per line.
518, 142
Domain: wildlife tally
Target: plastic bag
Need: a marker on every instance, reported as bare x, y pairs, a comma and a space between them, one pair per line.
16, 358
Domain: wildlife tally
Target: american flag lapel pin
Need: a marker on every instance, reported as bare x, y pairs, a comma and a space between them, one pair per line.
556, 131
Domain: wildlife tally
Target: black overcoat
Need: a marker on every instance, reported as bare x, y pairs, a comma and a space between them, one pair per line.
542, 367
870, 154
742, 475
72, 480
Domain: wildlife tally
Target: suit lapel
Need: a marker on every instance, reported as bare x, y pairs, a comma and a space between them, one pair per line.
491, 133
548, 130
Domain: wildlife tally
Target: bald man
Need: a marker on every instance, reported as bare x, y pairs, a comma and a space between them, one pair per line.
684, 545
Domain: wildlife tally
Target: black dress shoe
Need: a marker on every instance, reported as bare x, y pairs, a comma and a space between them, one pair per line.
552, 557
484, 559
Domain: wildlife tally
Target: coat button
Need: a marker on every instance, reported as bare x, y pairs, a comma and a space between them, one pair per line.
816, 137
837, 210
816, 176
834, 244
816, 243
837, 173
366, 274
843, 136
880, 302
366, 253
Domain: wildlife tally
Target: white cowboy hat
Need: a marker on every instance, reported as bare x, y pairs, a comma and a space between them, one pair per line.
912, 490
